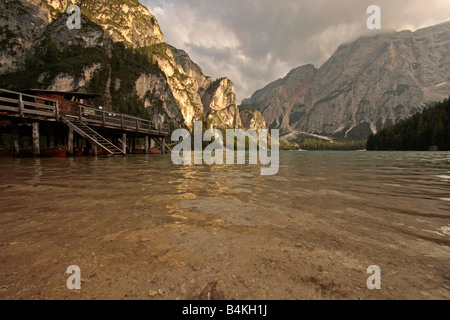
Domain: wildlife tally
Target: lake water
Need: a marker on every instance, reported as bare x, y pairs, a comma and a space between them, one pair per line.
142, 228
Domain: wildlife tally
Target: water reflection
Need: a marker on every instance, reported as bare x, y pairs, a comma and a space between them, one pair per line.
406, 181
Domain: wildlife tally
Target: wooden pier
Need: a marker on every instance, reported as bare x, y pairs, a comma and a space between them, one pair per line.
65, 124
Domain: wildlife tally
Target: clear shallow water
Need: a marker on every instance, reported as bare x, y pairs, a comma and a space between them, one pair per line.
413, 175
395, 206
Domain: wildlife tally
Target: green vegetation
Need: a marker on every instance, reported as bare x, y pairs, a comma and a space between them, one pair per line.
309, 143
322, 145
159, 49
47, 61
426, 129
126, 64
214, 86
8, 39
247, 109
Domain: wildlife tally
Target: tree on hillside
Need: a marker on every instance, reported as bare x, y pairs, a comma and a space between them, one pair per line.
426, 129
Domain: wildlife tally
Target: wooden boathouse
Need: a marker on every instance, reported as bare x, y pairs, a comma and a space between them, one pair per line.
56, 123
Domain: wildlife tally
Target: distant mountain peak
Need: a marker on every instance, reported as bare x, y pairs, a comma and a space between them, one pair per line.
125, 20
363, 87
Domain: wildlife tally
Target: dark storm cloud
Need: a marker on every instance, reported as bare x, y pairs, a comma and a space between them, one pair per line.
254, 42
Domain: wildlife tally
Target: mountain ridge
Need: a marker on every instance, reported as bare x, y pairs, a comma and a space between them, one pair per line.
119, 52
364, 86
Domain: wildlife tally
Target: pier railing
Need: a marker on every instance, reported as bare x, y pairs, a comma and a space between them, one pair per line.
23, 105
28, 105
122, 121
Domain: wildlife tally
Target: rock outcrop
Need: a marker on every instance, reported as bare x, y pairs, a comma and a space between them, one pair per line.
127, 20
252, 119
119, 52
220, 105
277, 101
183, 87
192, 69
21, 23
364, 87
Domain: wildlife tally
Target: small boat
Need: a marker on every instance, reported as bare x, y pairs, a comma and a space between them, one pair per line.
78, 152
58, 152
155, 151
5, 153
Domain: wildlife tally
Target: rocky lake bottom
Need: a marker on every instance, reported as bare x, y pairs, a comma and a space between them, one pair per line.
142, 228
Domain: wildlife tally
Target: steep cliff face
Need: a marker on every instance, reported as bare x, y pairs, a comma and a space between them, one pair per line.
126, 20
220, 105
218, 97
252, 119
193, 70
183, 87
364, 86
21, 23
119, 52
158, 99
277, 101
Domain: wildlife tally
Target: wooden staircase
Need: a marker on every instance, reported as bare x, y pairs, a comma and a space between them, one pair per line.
166, 147
93, 136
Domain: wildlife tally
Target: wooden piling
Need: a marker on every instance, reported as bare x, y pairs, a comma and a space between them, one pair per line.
15, 139
147, 145
163, 146
124, 143
21, 105
70, 144
35, 139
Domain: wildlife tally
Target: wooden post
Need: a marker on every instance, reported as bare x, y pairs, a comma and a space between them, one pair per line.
57, 110
104, 118
122, 122
124, 141
15, 139
70, 141
138, 125
163, 146
133, 143
95, 150
35, 138
21, 105
147, 144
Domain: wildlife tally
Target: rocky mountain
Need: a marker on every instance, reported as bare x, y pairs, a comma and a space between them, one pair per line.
220, 104
192, 69
364, 87
252, 119
119, 52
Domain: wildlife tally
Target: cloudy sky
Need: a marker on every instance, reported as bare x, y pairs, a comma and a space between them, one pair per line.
254, 42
